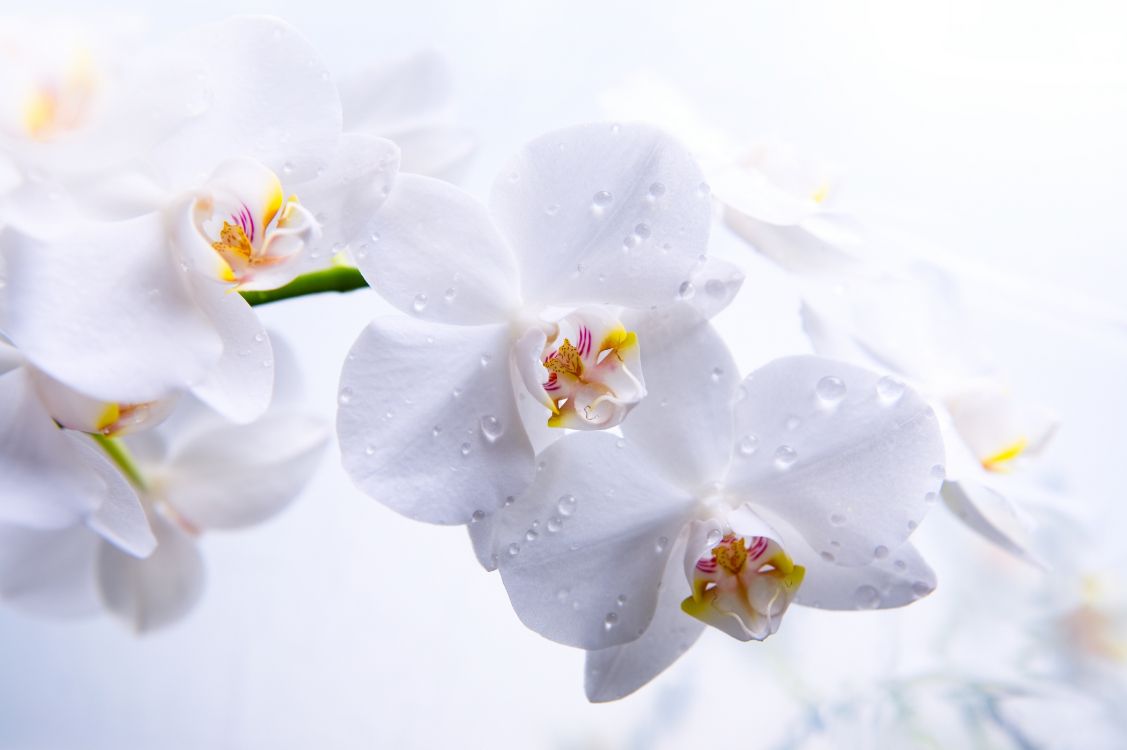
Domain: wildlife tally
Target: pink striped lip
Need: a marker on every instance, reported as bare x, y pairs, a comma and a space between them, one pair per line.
707, 565
758, 547
245, 220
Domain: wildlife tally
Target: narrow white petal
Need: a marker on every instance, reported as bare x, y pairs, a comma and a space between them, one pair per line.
615, 672
583, 550
850, 459
604, 213
120, 518
428, 422
990, 514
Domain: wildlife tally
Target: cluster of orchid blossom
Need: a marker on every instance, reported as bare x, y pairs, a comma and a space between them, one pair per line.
554, 382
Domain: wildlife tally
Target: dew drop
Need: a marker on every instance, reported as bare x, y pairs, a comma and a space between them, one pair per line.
938, 471
830, 390
555, 523
629, 242
485, 359
514, 548
900, 565
436, 431
717, 373
375, 237
837, 519
642, 231
531, 535
465, 449
456, 393
260, 337
491, 428
420, 302
748, 445
713, 538
704, 190
369, 450
287, 168
449, 294
827, 556
602, 199
621, 600
509, 500
785, 456
566, 505
610, 620
912, 525
345, 395
686, 290
657, 190
889, 389
866, 597
661, 544
880, 552
266, 363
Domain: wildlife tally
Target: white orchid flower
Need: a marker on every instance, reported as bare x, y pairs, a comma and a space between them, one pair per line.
515, 303
211, 209
409, 101
55, 478
723, 500
197, 473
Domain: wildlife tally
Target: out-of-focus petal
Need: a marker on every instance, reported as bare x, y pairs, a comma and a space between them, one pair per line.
241, 475
49, 572
852, 460
159, 590
990, 514
604, 213
436, 254
583, 550
120, 519
428, 422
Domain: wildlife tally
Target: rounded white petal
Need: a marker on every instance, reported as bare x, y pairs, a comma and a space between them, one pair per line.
159, 590
428, 422
604, 213
615, 672
712, 286
685, 420
819, 246
583, 550
237, 476
106, 311
240, 384
436, 254
247, 87
120, 518
49, 572
850, 459
44, 482
345, 197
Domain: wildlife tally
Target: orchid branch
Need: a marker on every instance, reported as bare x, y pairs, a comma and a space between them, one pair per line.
336, 279
120, 455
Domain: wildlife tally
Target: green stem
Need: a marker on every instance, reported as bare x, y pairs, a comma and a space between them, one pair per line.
336, 279
120, 455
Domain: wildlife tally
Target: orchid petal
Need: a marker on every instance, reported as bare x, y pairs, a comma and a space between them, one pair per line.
582, 552
76, 411
822, 245
253, 87
435, 150
159, 590
437, 255
601, 213
392, 95
428, 422
239, 386
120, 519
241, 475
713, 286
44, 482
615, 672
49, 572
685, 421
345, 198
853, 461
142, 335
995, 426
991, 515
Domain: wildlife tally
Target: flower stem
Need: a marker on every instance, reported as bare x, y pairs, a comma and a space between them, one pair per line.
336, 279
120, 455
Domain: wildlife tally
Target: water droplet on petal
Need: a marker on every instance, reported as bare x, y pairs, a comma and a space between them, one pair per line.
465, 449
920, 588
491, 428
657, 190
345, 395
449, 294
555, 523
621, 600
260, 337
866, 597
717, 373
531, 535
686, 290
827, 556
566, 505
610, 620
912, 525
436, 431
602, 199
713, 538
830, 390
748, 445
514, 548
889, 389
661, 544
420, 303
704, 190
837, 519
880, 552
938, 471
478, 516
785, 456
642, 231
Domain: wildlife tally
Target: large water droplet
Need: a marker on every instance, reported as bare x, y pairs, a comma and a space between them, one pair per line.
420, 302
531, 535
748, 445
602, 199
478, 516
889, 389
686, 290
642, 231
555, 523
866, 597
566, 505
830, 390
610, 620
785, 456
880, 552
491, 428
713, 538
